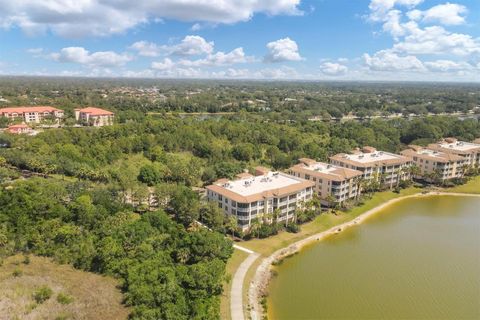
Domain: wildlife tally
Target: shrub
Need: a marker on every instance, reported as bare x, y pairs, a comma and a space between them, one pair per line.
293, 228
26, 260
42, 294
64, 298
17, 273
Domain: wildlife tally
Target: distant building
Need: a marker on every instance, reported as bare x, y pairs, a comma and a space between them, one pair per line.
470, 151
20, 129
433, 163
331, 182
252, 197
387, 168
94, 116
32, 114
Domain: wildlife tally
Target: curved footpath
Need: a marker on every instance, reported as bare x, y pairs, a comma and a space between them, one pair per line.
236, 292
258, 286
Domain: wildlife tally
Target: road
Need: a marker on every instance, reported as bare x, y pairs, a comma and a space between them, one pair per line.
236, 293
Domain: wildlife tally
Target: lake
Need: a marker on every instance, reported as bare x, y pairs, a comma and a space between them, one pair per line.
416, 259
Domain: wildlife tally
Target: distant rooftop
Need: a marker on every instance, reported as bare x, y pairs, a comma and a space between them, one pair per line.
429, 154
458, 145
95, 111
369, 156
29, 109
325, 170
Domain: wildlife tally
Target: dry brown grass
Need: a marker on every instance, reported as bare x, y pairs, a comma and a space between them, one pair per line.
94, 296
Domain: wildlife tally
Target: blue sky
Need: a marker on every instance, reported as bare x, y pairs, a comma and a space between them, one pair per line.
253, 39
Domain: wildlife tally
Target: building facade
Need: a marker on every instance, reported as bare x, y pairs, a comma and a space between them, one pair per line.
433, 164
333, 184
94, 117
32, 114
387, 168
261, 196
20, 129
469, 150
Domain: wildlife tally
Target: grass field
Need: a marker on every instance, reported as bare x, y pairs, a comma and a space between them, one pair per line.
89, 296
472, 186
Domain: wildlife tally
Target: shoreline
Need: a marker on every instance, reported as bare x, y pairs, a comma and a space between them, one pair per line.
259, 285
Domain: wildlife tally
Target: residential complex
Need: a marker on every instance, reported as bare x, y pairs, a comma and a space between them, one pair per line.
469, 150
333, 184
20, 129
249, 197
94, 116
32, 114
387, 168
433, 164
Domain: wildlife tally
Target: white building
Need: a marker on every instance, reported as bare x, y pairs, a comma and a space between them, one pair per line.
252, 197
331, 181
387, 168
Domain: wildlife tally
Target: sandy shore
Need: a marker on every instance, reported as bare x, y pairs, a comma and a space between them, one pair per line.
259, 285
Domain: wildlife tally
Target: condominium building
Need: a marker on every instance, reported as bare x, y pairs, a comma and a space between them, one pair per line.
94, 117
332, 183
469, 150
251, 197
20, 129
433, 164
387, 168
32, 114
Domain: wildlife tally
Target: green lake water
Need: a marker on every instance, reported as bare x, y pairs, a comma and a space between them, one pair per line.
417, 259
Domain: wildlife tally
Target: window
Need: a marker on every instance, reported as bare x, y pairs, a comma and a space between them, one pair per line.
220, 197
234, 203
242, 205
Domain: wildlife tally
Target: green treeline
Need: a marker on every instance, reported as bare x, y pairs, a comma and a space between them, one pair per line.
195, 152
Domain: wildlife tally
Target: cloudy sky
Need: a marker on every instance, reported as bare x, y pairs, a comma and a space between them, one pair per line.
243, 39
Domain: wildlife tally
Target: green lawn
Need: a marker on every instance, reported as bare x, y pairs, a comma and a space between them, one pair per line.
472, 186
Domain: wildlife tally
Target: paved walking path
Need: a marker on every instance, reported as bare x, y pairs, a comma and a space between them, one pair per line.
236, 293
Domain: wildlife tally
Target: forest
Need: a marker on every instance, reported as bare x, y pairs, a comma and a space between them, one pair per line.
124, 200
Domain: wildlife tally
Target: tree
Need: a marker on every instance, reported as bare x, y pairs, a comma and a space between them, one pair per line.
185, 206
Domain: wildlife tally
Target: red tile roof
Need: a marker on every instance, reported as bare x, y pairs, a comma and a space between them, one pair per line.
95, 111
24, 109
18, 126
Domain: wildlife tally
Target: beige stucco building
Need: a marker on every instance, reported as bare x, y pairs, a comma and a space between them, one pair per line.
331, 181
94, 116
386, 167
250, 197
32, 114
432, 162
469, 150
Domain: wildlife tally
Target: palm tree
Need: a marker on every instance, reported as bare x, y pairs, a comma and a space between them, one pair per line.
254, 227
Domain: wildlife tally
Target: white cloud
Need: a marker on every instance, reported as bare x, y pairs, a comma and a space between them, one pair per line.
282, 50
333, 69
82, 56
193, 45
379, 9
386, 60
436, 40
447, 14
73, 18
447, 66
189, 46
146, 49
166, 64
